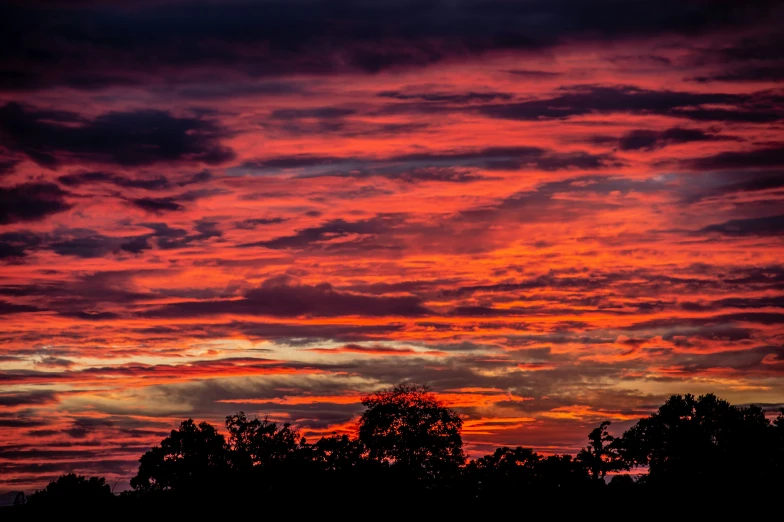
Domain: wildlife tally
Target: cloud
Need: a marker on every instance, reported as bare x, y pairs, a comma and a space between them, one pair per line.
758, 73
54, 362
767, 359
88, 316
447, 97
338, 234
376, 350
294, 333
27, 398
437, 166
17, 244
337, 121
20, 422
8, 165
545, 203
87, 243
652, 140
322, 113
11, 308
297, 161
252, 223
282, 298
157, 205
734, 182
735, 302
96, 45
131, 138
763, 157
32, 201
772, 226
79, 179
532, 73
168, 238
591, 99
709, 327
513, 158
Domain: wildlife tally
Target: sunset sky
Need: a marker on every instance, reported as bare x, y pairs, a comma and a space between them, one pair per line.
552, 212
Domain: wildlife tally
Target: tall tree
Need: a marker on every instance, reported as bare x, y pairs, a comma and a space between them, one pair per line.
600, 456
701, 440
409, 428
191, 456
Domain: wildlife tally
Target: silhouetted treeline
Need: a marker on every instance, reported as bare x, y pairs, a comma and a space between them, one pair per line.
408, 454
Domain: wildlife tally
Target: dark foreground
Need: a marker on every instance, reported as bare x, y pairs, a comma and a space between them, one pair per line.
694, 457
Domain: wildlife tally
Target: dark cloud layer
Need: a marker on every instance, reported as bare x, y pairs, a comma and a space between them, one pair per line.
31, 202
79, 179
764, 157
438, 166
652, 139
281, 298
134, 138
16, 244
761, 226
157, 205
591, 99
94, 45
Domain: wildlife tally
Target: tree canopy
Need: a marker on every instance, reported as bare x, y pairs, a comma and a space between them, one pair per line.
408, 427
703, 440
72, 490
259, 442
601, 455
190, 456
408, 442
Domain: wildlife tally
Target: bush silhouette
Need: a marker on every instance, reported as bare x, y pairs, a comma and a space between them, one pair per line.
72, 491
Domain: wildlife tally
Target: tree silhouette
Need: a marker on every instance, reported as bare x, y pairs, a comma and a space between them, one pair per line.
259, 442
601, 456
562, 473
409, 447
72, 490
504, 472
409, 428
192, 455
700, 441
622, 482
339, 453
776, 443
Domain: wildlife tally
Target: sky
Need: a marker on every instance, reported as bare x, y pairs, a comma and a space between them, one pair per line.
551, 212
